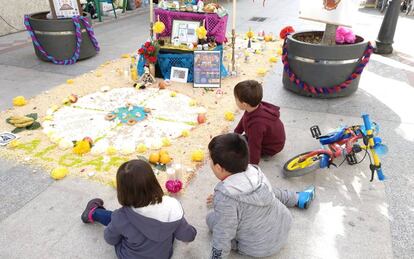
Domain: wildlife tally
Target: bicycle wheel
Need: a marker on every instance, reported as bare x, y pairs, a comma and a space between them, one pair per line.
294, 168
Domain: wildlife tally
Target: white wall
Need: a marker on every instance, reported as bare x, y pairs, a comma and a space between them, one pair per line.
13, 11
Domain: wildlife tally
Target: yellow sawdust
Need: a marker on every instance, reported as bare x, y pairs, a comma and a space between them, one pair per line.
43, 153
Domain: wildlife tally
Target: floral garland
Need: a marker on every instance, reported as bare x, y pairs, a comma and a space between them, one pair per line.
325, 90
76, 22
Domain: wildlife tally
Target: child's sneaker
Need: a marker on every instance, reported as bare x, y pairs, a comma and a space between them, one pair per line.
305, 197
90, 207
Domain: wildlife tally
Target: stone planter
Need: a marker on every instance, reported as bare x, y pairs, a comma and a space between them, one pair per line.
57, 37
322, 66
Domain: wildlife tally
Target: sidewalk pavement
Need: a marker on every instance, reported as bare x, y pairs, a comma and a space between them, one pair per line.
350, 218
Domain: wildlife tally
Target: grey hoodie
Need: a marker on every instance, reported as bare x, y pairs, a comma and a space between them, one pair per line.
249, 216
148, 232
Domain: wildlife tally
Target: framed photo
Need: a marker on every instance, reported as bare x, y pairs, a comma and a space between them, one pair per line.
6, 138
184, 32
62, 9
179, 74
207, 69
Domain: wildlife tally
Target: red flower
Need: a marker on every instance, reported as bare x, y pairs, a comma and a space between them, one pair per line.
141, 51
151, 49
147, 44
286, 31
152, 59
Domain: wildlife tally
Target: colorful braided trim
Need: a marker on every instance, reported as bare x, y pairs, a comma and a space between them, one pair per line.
76, 22
325, 90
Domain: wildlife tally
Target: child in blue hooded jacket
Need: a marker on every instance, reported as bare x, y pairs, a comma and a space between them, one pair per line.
148, 222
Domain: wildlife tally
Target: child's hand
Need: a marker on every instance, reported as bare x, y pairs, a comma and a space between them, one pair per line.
210, 200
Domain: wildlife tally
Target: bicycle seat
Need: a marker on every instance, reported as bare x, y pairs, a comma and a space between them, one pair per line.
332, 137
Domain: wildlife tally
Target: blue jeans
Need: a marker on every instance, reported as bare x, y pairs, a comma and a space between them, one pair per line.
102, 216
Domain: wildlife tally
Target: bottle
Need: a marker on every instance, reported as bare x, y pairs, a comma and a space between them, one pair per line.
133, 69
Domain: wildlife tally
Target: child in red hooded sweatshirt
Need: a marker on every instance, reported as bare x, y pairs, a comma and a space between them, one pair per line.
261, 124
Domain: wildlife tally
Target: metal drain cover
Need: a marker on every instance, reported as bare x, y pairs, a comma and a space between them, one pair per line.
258, 19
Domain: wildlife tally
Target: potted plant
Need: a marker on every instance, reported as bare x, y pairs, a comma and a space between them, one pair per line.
62, 36
324, 64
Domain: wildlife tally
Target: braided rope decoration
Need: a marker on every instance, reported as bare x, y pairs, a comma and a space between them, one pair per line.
76, 22
325, 90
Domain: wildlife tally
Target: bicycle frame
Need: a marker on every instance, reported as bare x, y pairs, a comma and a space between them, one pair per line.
344, 143
336, 149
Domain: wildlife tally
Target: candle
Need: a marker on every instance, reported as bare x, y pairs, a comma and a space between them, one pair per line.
234, 15
151, 11
171, 175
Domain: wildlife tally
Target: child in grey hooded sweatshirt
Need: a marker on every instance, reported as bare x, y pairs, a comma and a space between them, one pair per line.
249, 215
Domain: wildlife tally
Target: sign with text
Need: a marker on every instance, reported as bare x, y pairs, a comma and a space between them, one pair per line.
207, 72
65, 8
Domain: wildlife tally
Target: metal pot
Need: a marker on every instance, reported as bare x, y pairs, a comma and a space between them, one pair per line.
57, 37
321, 65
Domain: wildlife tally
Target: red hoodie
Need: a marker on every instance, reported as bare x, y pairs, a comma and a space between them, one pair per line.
264, 131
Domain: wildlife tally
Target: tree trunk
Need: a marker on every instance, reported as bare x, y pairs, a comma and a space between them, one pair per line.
329, 35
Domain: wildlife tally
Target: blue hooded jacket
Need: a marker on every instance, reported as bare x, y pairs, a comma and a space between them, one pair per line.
148, 232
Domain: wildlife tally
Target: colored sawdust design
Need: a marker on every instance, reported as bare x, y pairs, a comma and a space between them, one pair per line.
171, 111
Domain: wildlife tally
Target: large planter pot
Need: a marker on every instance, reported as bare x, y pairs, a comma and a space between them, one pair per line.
57, 37
322, 66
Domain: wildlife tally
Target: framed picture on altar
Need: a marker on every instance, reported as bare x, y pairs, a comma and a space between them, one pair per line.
62, 9
207, 69
184, 31
179, 74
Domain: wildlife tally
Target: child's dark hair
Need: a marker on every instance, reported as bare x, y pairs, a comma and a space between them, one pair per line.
249, 91
137, 185
230, 151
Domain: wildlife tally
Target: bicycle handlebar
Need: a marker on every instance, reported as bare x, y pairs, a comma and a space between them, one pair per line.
371, 145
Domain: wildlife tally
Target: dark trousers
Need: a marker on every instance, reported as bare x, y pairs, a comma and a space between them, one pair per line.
102, 216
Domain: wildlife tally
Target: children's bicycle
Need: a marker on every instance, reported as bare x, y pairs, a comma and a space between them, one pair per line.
345, 142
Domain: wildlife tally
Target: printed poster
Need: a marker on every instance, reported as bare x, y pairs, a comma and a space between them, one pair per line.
207, 72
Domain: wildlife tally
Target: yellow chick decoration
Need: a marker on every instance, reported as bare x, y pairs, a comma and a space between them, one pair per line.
166, 142
192, 102
59, 173
165, 158
279, 51
19, 101
250, 34
70, 81
261, 71
158, 27
229, 116
14, 143
141, 148
111, 150
173, 94
154, 158
273, 59
201, 32
82, 147
197, 155
185, 133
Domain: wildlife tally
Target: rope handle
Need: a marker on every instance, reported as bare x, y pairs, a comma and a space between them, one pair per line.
78, 33
325, 90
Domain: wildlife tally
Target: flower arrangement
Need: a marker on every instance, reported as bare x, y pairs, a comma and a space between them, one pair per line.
286, 31
150, 51
344, 35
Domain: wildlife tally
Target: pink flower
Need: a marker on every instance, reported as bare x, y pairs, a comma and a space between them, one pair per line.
344, 35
